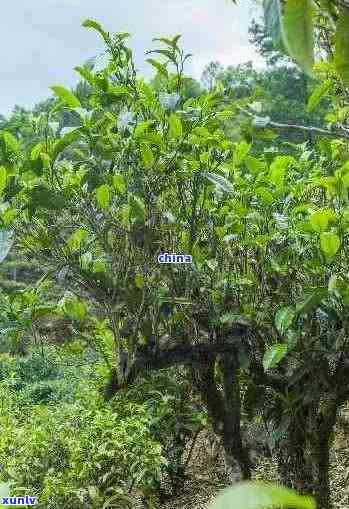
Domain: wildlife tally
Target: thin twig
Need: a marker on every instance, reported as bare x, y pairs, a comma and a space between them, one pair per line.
337, 133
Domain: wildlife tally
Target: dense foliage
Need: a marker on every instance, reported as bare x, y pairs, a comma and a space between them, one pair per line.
65, 444
95, 184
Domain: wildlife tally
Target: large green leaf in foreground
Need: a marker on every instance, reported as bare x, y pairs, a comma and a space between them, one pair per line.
342, 45
298, 33
260, 495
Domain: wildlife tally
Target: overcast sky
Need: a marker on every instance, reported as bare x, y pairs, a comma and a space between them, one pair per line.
41, 41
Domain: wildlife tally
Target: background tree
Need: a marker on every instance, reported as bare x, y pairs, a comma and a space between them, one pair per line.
210, 74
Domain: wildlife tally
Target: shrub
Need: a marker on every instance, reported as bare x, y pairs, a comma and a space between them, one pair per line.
175, 416
80, 453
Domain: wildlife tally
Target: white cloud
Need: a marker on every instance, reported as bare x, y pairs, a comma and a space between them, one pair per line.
42, 41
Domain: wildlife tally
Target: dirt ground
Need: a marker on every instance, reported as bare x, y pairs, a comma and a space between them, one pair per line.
206, 477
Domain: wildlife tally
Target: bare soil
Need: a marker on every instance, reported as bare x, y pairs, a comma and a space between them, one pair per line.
205, 475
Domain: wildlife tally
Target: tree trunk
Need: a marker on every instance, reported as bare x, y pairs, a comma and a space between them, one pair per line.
224, 408
304, 456
236, 455
293, 469
203, 378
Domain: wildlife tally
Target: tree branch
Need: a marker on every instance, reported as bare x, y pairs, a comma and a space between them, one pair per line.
336, 133
149, 359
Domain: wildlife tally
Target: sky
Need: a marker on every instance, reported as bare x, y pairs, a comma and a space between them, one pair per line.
41, 41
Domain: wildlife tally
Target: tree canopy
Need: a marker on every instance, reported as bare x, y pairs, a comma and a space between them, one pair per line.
248, 178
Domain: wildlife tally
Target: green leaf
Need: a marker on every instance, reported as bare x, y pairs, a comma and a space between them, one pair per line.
6, 242
66, 96
167, 53
330, 244
9, 215
36, 151
212, 264
284, 318
274, 355
46, 160
75, 308
90, 23
266, 134
86, 74
76, 239
240, 152
220, 181
278, 170
147, 155
137, 208
122, 500
103, 196
41, 311
260, 495
121, 36
3, 178
230, 318
264, 195
254, 165
177, 300
120, 90
42, 196
141, 128
319, 220
318, 93
341, 57
311, 301
69, 129
161, 68
11, 143
170, 42
175, 124
204, 158
64, 142
119, 183
298, 33
139, 281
